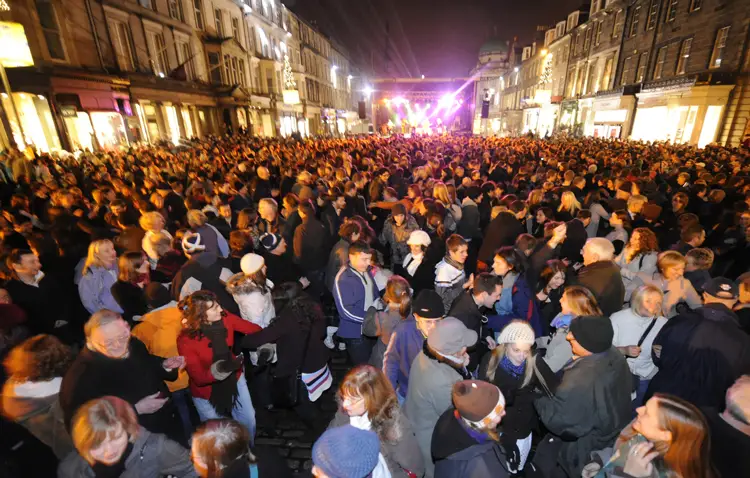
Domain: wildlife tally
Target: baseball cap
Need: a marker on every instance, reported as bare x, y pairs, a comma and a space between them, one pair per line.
428, 305
722, 288
450, 335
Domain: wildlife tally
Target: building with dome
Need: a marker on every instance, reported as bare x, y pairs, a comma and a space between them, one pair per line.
495, 60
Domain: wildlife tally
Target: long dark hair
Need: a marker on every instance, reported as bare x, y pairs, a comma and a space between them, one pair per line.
194, 310
306, 309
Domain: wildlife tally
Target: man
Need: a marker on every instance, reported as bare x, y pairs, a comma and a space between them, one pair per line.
450, 278
311, 248
702, 352
730, 431
468, 309
601, 275
396, 230
692, 236
271, 220
441, 363
280, 268
113, 363
354, 292
592, 403
408, 338
263, 185
173, 202
502, 231
333, 214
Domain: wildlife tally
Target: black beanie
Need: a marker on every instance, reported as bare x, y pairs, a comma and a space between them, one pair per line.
594, 333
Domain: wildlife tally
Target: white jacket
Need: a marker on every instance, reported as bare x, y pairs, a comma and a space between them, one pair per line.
629, 327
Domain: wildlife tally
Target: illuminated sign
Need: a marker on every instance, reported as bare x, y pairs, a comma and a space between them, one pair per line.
15, 51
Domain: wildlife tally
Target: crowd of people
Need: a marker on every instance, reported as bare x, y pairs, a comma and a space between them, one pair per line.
510, 307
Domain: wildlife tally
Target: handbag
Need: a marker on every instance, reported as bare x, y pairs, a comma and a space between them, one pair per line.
636, 378
285, 390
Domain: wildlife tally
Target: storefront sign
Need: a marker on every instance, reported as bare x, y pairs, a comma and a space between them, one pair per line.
291, 97
610, 116
68, 112
15, 47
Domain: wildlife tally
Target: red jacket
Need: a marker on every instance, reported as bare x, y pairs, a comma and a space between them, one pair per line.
199, 355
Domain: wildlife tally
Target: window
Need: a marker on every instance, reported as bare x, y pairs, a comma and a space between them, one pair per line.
684, 56
634, 22
122, 44
626, 66
672, 10
598, 36
236, 29
51, 29
607, 73
661, 58
214, 67
652, 12
587, 40
198, 9
590, 82
241, 68
185, 55
617, 24
219, 23
695, 5
160, 61
227, 70
642, 63
720, 46
270, 80
175, 10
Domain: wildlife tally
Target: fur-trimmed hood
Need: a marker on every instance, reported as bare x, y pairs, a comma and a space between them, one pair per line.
241, 283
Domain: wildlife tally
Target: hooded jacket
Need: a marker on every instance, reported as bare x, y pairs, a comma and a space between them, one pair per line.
255, 305
350, 296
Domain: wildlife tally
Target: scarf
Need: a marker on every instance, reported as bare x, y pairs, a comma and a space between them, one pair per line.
476, 435
223, 393
411, 263
515, 371
562, 320
453, 263
114, 470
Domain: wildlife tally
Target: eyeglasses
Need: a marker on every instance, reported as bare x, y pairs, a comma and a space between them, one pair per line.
114, 342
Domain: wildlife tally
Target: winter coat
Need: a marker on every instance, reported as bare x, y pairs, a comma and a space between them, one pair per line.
629, 327
430, 386
603, 279
380, 324
590, 407
140, 374
36, 406
466, 310
401, 455
703, 352
459, 455
559, 351
212, 239
95, 289
311, 245
131, 299
524, 306
501, 231
405, 344
350, 297
158, 330
199, 355
153, 456
338, 258
255, 305
449, 283
396, 237
468, 226
642, 263
44, 303
675, 291
205, 271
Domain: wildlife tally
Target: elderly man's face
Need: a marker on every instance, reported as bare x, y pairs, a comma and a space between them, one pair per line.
111, 340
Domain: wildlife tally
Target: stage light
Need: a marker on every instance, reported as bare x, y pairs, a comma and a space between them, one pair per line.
367, 91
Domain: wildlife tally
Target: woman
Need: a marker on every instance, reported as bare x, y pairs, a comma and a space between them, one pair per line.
452, 211
247, 222
635, 330
349, 232
35, 370
418, 268
110, 443
252, 291
465, 442
671, 281
576, 301
168, 260
569, 207
128, 290
298, 331
514, 369
221, 449
210, 236
669, 438
639, 255
549, 292
380, 323
543, 214
153, 223
217, 381
98, 275
593, 204
620, 221
517, 300
367, 401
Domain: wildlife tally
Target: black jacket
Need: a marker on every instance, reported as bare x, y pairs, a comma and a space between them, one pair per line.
93, 375
575, 239
603, 279
131, 298
311, 245
467, 311
331, 220
204, 271
502, 231
281, 269
424, 276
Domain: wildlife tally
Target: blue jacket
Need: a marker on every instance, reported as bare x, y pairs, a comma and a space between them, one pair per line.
524, 307
406, 342
349, 295
95, 287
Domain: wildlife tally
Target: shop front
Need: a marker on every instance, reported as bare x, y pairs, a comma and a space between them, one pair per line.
37, 126
613, 115
684, 112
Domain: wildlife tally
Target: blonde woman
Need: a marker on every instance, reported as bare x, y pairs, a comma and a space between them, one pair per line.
669, 278
576, 301
380, 323
152, 223
109, 442
514, 368
569, 207
98, 276
452, 210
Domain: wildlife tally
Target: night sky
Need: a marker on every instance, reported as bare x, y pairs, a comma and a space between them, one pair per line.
435, 38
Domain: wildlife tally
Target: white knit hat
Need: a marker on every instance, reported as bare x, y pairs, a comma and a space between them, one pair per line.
191, 243
419, 238
251, 263
517, 332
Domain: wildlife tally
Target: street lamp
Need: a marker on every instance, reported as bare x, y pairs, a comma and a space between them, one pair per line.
367, 91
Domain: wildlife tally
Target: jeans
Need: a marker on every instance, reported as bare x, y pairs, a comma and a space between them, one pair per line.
243, 410
640, 392
180, 398
359, 350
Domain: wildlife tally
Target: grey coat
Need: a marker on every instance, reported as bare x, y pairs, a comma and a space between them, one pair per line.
590, 407
153, 456
402, 455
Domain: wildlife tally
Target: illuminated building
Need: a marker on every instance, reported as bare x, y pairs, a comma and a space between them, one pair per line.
490, 75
